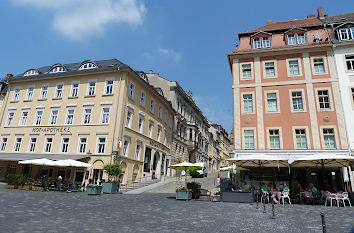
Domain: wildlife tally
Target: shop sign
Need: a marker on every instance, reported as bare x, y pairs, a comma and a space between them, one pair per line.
154, 144
51, 130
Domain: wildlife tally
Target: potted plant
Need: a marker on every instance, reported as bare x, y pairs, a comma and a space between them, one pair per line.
21, 180
183, 193
194, 173
38, 185
215, 196
113, 171
11, 180
92, 189
28, 185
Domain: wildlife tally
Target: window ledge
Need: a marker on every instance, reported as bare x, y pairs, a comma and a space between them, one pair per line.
325, 110
42, 99
27, 100
107, 94
73, 97
90, 96
14, 101
273, 112
57, 98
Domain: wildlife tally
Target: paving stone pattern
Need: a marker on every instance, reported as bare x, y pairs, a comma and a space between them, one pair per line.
31, 211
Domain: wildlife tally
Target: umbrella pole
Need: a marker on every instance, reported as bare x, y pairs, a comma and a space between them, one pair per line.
260, 180
323, 175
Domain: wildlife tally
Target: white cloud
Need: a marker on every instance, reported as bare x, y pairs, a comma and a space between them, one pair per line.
216, 110
170, 53
77, 19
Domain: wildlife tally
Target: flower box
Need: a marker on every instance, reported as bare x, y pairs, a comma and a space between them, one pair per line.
26, 187
35, 188
110, 187
8, 186
215, 198
95, 190
183, 195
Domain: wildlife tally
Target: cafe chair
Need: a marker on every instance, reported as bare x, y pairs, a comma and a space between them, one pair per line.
330, 197
284, 195
342, 197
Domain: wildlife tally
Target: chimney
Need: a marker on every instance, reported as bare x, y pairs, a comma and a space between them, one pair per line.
8, 76
150, 71
269, 21
311, 16
320, 13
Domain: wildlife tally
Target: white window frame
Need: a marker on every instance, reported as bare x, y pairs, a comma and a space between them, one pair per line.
15, 143
307, 135
23, 120
30, 93
57, 91
109, 88
158, 133
351, 92
52, 116
63, 143
67, 116
324, 65
280, 137
264, 45
3, 144
137, 154
105, 120
131, 90
44, 93
84, 116
8, 122
265, 69
91, 90
79, 144
340, 33
160, 112
277, 100
30, 143
292, 42
16, 94
243, 104
330, 99
129, 117
150, 129
351, 61
298, 36
244, 137
141, 127
288, 67
241, 71
142, 98
152, 105
259, 44
46, 143
99, 143
75, 90
335, 131
126, 149
303, 100
38, 117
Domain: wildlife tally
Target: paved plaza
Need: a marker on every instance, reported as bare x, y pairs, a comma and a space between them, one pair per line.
31, 211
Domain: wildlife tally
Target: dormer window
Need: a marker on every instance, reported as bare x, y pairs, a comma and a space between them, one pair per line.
301, 39
87, 66
295, 36
57, 69
343, 34
262, 42
30, 72
291, 40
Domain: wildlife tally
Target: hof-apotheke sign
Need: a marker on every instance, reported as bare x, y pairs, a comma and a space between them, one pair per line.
51, 130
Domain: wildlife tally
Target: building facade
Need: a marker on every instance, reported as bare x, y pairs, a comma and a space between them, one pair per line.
224, 144
3, 91
214, 151
190, 140
95, 111
286, 95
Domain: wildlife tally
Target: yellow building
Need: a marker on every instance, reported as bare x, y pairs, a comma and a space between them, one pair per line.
94, 111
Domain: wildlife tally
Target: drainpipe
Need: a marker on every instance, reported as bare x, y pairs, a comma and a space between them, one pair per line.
115, 120
123, 121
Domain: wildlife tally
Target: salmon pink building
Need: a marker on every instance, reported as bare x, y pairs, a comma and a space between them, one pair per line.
286, 98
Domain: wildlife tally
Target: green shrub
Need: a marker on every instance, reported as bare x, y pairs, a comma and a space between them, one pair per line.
11, 179
194, 173
21, 180
113, 170
16, 179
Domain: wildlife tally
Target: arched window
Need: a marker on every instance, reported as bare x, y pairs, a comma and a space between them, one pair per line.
88, 65
30, 72
57, 69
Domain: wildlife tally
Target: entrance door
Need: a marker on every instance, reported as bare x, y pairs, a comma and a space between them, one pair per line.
79, 176
154, 165
61, 172
97, 176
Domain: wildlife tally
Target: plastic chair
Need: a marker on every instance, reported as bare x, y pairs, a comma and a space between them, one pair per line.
264, 196
343, 197
285, 194
331, 197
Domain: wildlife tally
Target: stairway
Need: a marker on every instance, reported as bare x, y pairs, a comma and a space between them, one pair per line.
126, 188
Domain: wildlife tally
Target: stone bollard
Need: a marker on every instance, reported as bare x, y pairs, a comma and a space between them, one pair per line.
273, 211
323, 223
264, 207
257, 199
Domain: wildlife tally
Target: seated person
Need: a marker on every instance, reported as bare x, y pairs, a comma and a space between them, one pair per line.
313, 190
270, 186
264, 189
286, 188
281, 187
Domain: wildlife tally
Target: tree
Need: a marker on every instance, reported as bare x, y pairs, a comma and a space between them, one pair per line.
113, 171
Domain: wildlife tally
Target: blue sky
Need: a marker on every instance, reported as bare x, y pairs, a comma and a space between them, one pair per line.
186, 41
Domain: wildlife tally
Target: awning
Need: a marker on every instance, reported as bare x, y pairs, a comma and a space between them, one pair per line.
323, 160
28, 156
59, 163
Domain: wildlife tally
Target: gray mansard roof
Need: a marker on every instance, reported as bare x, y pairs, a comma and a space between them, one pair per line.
111, 64
334, 21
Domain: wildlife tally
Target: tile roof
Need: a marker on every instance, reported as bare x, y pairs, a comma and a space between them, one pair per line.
348, 17
110, 64
283, 25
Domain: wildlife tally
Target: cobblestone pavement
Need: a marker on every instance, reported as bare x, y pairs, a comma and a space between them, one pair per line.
31, 211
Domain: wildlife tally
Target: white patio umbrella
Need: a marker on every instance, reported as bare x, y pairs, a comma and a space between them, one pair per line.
233, 167
40, 162
71, 163
323, 160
